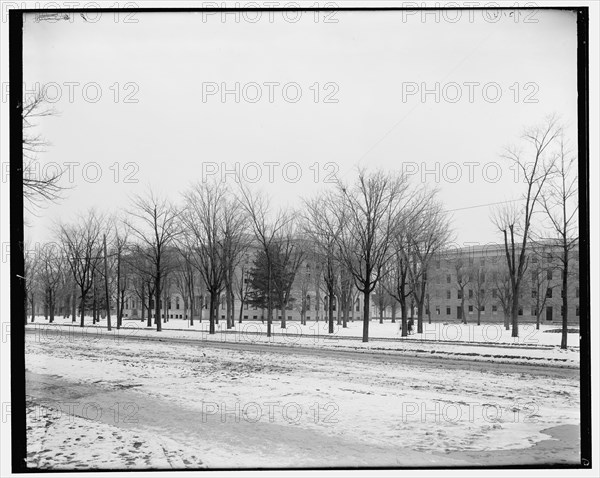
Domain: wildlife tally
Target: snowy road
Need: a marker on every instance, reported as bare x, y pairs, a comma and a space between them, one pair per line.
232, 405
461, 360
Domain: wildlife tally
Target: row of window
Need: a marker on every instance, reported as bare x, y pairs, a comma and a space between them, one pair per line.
534, 293
471, 310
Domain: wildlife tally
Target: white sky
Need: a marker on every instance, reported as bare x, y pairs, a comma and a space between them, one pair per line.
170, 131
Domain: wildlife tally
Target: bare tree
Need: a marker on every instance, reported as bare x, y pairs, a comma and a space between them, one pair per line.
428, 232
82, 248
31, 273
51, 274
514, 220
235, 244
560, 203
38, 188
204, 226
320, 225
154, 223
368, 211
267, 230
120, 244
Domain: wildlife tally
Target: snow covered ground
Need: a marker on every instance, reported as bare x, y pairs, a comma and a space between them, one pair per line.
62, 441
450, 331
454, 341
243, 408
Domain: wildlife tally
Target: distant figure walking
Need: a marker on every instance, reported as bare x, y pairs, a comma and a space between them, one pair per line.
410, 325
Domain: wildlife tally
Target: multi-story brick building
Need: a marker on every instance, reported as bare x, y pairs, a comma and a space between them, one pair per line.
472, 278
475, 278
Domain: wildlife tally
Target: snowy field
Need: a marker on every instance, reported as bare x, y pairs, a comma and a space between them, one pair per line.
451, 331
454, 341
224, 408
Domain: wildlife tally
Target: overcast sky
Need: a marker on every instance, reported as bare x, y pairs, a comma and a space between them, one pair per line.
370, 66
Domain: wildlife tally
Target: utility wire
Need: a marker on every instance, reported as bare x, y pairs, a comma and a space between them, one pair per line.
482, 205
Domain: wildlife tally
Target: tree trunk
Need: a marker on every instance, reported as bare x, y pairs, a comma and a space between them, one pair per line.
51, 299
228, 308
82, 311
191, 299
283, 321
366, 316
32, 307
346, 313
563, 340
515, 313
108, 324
143, 305
394, 306
149, 324
211, 314
74, 305
157, 302
165, 304
404, 311
46, 300
478, 315
420, 318
330, 311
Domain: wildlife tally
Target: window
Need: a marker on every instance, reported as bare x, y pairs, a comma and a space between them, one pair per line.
534, 311
308, 302
482, 309
470, 309
437, 311
357, 305
534, 260
177, 303
470, 293
255, 317
494, 309
449, 294
437, 264
482, 293
533, 293
308, 317
549, 274
246, 306
245, 317
448, 278
549, 293
447, 310
520, 310
494, 293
